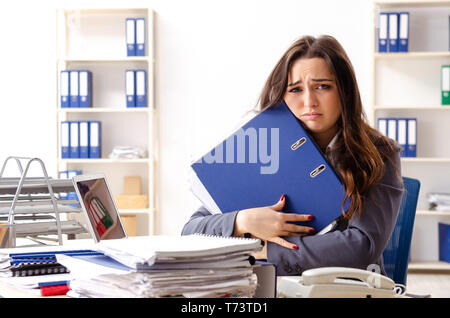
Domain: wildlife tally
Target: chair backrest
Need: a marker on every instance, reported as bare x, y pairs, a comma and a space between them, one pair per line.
396, 253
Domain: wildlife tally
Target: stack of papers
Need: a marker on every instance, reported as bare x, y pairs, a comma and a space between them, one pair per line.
439, 201
165, 266
127, 152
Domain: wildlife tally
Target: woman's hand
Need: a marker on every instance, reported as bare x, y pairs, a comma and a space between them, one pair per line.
267, 224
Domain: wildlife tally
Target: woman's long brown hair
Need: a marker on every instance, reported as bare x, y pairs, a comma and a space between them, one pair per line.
362, 150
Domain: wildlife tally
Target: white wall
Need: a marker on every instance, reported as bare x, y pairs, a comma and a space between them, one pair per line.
212, 58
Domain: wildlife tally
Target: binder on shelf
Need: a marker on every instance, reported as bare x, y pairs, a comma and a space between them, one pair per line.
402, 135
382, 126
240, 175
130, 24
403, 33
85, 88
64, 88
84, 139
70, 174
95, 139
392, 128
74, 89
74, 139
445, 84
393, 32
411, 150
65, 139
140, 37
130, 88
383, 32
62, 175
141, 88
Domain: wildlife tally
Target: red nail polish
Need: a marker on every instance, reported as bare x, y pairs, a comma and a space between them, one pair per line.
282, 197
295, 247
312, 231
310, 217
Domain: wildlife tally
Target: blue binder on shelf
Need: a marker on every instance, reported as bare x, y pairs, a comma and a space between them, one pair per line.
62, 175
382, 126
140, 37
64, 89
74, 139
74, 89
130, 24
68, 174
393, 32
130, 88
411, 149
392, 128
65, 139
85, 88
403, 31
141, 88
269, 156
402, 135
383, 29
84, 139
95, 139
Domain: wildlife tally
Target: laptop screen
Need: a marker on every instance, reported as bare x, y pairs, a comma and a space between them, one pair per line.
97, 203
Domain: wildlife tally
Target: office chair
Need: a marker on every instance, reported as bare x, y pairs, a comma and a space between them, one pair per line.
396, 253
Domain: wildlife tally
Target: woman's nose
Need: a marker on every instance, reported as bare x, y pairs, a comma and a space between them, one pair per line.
310, 99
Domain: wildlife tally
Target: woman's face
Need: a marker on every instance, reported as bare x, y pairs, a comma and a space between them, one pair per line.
312, 96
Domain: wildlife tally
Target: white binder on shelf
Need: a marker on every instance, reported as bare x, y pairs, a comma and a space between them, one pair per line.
85, 89
383, 32
402, 135
74, 139
84, 139
64, 89
141, 88
140, 37
403, 33
393, 32
131, 36
65, 139
95, 139
130, 88
74, 89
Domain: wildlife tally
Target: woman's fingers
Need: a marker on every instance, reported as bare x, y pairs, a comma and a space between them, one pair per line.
280, 204
294, 229
280, 241
294, 217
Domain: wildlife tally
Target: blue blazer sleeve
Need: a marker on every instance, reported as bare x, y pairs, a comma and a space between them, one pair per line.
359, 245
202, 221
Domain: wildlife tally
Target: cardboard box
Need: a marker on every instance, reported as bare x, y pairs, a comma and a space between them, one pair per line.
131, 201
132, 185
444, 242
129, 224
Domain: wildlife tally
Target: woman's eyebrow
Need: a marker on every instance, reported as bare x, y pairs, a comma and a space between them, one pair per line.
313, 80
321, 80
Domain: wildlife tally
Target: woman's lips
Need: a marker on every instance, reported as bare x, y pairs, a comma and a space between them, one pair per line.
311, 116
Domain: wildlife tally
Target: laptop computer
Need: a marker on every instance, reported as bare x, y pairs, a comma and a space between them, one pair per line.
98, 206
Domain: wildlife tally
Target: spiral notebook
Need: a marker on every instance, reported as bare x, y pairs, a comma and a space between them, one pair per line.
189, 251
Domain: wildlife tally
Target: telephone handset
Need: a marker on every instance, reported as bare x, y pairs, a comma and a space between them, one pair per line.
337, 282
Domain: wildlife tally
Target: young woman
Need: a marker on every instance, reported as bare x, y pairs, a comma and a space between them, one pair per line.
317, 82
